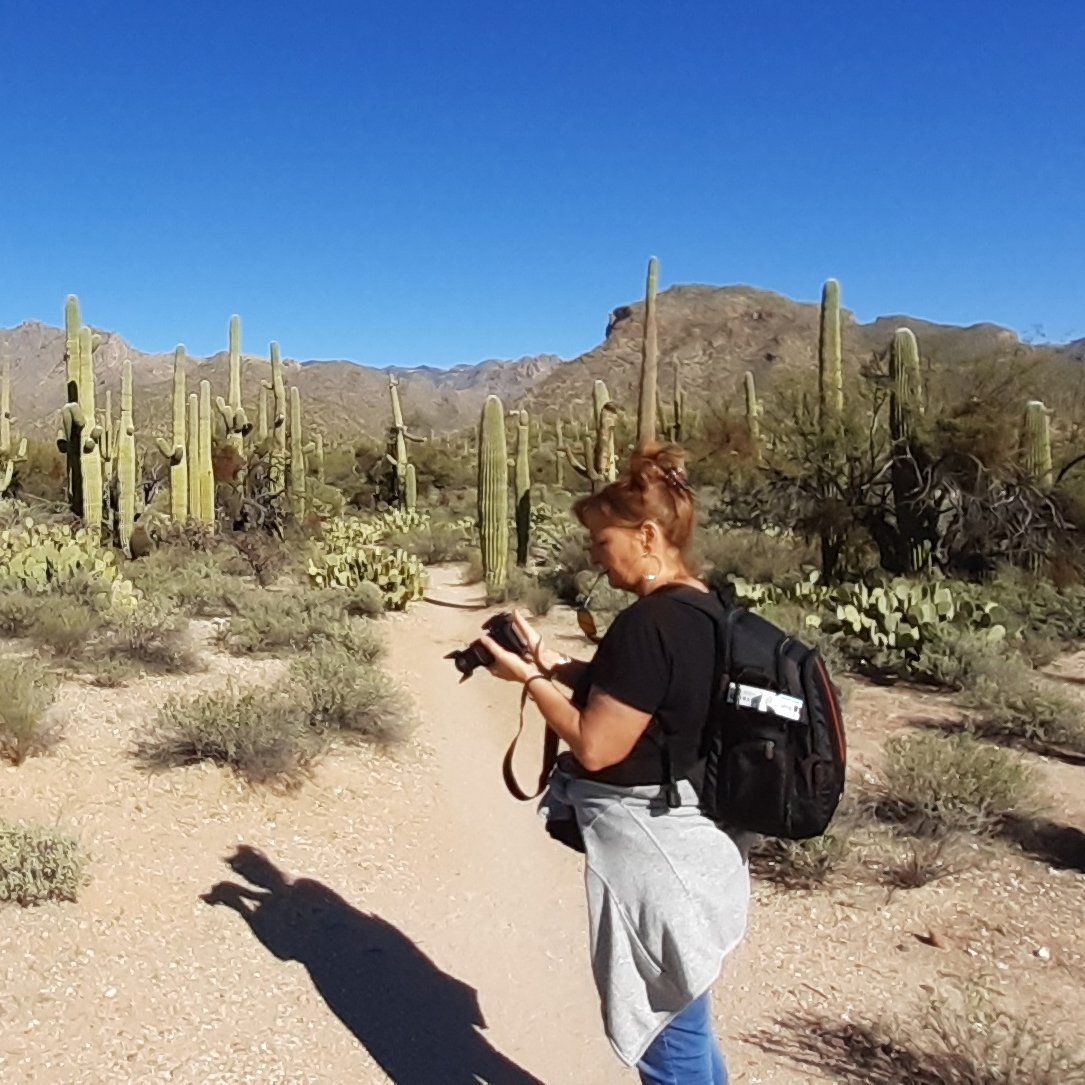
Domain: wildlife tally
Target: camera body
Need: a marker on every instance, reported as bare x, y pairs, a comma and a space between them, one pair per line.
501, 628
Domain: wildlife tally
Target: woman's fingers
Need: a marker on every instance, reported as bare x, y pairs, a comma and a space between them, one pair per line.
530, 636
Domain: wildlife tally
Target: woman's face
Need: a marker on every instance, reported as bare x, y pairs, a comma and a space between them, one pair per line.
620, 552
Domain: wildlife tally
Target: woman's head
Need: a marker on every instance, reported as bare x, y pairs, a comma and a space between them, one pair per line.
641, 526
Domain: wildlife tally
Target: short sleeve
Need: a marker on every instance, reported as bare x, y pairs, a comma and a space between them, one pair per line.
631, 663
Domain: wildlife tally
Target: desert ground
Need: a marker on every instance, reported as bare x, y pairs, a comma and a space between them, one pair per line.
401, 918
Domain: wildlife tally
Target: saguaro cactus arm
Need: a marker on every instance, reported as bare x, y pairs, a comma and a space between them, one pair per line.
649, 362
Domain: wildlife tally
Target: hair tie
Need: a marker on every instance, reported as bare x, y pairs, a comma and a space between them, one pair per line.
676, 479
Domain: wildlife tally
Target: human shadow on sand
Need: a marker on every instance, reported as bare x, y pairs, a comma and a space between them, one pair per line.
419, 1023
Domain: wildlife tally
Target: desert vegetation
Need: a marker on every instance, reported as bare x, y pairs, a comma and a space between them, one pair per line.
237, 570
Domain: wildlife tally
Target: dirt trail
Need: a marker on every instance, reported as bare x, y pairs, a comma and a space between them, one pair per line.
406, 899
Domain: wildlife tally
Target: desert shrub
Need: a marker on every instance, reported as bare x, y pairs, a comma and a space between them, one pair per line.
111, 673
28, 691
354, 699
965, 1039
272, 622
39, 864
801, 864
911, 863
153, 635
67, 627
17, 611
934, 782
264, 735
539, 599
266, 556
758, 556
436, 541
196, 583
474, 572
364, 600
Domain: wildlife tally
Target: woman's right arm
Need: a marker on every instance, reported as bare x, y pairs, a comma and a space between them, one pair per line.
562, 669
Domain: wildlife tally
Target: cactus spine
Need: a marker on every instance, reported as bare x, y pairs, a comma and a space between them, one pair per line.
830, 358
649, 362
125, 451
206, 471
180, 509
296, 477
1036, 444
522, 487
493, 489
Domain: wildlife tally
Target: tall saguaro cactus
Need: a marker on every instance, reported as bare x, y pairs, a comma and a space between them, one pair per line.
397, 451
277, 388
206, 472
905, 408
830, 358
493, 489
80, 433
649, 362
522, 487
174, 452
600, 463
1036, 444
559, 454
9, 455
295, 484
124, 443
753, 412
192, 456
232, 412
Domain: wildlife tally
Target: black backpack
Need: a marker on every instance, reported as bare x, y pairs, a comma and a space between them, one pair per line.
774, 741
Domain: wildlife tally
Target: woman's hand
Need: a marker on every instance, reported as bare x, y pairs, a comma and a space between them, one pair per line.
545, 659
506, 665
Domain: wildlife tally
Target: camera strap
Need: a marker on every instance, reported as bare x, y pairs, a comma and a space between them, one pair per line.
550, 757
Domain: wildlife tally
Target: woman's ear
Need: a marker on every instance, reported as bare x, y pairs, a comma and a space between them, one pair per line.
649, 533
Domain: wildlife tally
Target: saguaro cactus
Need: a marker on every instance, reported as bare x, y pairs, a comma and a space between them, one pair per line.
830, 357
600, 464
522, 487
9, 455
261, 418
277, 388
295, 485
649, 362
905, 408
232, 411
1036, 444
399, 436
493, 489
753, 411
175, 451
192, 456
80, 433
318, 457
124, 443
90, 461
559, 454
206, 471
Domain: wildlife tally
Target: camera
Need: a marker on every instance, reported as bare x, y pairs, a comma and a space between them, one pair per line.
501, 627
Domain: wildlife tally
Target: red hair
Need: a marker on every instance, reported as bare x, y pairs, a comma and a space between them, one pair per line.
654, 487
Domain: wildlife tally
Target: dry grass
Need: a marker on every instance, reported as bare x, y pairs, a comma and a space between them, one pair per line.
263, 735
28, 691
39, 864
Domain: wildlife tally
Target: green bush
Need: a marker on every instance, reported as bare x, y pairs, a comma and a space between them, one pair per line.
17, 611
153, 635
263, 735
722, 553
197, 586
272, 622
802, 864
28, 691
66, 627
39, 864
933, 783
353, 699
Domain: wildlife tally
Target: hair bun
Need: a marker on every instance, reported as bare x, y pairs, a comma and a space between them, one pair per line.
658, 463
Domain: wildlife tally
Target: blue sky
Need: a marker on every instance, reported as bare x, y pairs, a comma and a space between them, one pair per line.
445, 182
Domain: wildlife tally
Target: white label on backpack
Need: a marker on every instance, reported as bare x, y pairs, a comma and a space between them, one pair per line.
766, 700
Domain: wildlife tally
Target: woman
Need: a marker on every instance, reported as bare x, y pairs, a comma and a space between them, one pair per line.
667, 889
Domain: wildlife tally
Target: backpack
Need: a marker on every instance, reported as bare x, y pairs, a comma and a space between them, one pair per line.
773, 743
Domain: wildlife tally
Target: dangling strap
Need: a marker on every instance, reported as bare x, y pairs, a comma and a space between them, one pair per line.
550, 757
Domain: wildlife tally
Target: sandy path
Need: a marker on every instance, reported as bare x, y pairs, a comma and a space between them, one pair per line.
407, 899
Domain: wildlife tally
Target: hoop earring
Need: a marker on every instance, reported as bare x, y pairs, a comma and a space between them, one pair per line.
652, 576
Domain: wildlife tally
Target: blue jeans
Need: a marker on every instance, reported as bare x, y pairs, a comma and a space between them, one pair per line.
686, 1052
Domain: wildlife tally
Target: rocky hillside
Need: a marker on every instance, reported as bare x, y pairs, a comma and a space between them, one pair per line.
714, 333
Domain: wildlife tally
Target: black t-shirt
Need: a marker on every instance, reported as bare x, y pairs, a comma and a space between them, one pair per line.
658, 656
